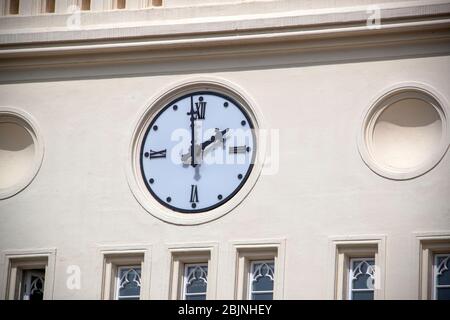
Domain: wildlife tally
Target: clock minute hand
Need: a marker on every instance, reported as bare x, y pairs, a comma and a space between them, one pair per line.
192, 119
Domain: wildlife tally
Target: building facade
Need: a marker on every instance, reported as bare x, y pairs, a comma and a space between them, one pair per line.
339, 188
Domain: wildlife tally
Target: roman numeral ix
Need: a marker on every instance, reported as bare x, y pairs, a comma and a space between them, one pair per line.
158, 154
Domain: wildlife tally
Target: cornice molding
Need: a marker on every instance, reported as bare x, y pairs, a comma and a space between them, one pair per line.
296, 32
132, 25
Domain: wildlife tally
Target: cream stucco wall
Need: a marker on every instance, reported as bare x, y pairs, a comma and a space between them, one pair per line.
80, 199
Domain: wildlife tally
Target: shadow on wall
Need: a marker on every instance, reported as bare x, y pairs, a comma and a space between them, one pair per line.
16, 153
406, 133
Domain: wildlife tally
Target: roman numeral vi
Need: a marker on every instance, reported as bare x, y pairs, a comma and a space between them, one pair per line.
194, 193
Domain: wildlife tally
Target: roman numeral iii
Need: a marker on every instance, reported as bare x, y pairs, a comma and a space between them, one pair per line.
239, 149
194, 193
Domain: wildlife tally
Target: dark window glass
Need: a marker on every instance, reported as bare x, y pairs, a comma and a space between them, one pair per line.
129, 283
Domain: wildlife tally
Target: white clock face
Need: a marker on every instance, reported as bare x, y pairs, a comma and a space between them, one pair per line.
197, 152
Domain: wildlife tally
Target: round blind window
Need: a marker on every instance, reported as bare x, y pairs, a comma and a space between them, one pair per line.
404, 134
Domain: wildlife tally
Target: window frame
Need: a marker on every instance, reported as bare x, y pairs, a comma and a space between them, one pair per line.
435, 266
428, 244
255, 250
184, 292
350, 288
18, 260
250, 290
191, 253
113, 257
342, 249
112, 263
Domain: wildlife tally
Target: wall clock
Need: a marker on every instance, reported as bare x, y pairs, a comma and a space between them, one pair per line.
197, 151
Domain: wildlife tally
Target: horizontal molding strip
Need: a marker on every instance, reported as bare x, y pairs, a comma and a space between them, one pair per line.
257, 26
430, 27
221, 40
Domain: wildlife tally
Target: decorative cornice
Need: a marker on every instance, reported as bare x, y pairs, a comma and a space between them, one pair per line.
134, 25
295, 31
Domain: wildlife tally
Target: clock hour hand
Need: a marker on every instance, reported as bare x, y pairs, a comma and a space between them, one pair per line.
198, 149
218, 136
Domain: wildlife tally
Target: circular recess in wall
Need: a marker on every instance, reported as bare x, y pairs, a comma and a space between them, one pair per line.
405, 133
21, 151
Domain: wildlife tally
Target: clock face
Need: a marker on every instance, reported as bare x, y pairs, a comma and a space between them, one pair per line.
197, 152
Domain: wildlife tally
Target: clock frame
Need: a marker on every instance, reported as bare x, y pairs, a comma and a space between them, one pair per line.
152, 110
